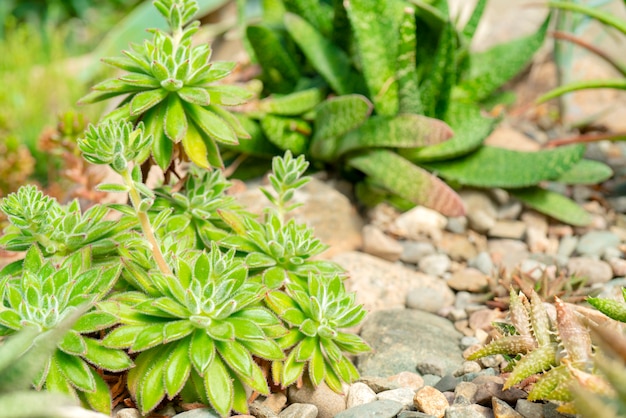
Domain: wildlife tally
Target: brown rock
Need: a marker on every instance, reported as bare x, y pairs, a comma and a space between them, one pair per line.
508, 229
430, 401
469, 279
483, 318
408, 380
275, 401
502, 409
491, 386
377, 243
328, 402
458, 246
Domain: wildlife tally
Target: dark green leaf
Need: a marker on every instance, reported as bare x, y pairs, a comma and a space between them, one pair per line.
287, 133
406, 71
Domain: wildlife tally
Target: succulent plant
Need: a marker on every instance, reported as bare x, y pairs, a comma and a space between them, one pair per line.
42, 295
553, 349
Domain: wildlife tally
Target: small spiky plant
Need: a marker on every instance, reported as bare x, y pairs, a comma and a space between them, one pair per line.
551, 348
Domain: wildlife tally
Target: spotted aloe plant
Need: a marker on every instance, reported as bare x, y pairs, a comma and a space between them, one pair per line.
552, 349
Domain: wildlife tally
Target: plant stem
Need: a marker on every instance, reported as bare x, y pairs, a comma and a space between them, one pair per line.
146, 227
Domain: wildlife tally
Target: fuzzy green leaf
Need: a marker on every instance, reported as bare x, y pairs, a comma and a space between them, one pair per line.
177, 368
195, 95
219, 386
106, 358
100, 399
175, 127
73, 344
151, 384
553, 204
201, 351
145, 100
212, 125
76, 371
94, 321
401, 177
292, 104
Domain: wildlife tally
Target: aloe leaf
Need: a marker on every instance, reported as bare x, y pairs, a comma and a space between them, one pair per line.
553, 204
586, 172
375, 27
257, 144
406, 72
472, 24
438, 83
292, 104
609, 307
470, 130
403, 131
617, 83
280, 71
315, 12
499, 167
489, 70
606, 18
342, 32
401, 177
334, 118
330, 61
287, 133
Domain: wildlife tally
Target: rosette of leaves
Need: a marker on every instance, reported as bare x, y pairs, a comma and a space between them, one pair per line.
553, 349
372, 88
43, 295
316, 311
23, 355
169, 86
59, 230
197, 332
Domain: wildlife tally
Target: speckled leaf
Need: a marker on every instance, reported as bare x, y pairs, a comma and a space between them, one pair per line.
553, 204
334, 118
470, 130
408, 181
553, 385
402, 131
438, 82
472, 24
375, 27
287, 133
280, 71
330, 61
489, 70
315, 12
292, 104
609, 307
499, 167
586, 172
543, 358
406, 71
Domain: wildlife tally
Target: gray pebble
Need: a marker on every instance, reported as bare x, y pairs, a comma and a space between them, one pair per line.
595, 242
402, 395
447, 383
467, 411
529, 409
468, 367
128, 413
425, 299
431, 365
414, 251
299, 410
482, 262
360, 394
414, 414
468, 341
199, 413
261, 411
431, 379
464, 393
567, 245
435, 264
595, 271
377, 409
457, 225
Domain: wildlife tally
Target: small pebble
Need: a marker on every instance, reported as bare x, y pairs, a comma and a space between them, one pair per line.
414, 251
359, 394
567, 245
482, 262
199, 413
414, 414
464, 393
402, 395
457, 225
529, 409
431, 401
259, 410
425, 299
128, 413
467, 342
408, 380
502, 409
377, 409
275, 401
328, 402
508, 229
594, 243
468, 411
376, 242
299, 410
435, 264
595, 271
431, 365
468, 367
469, 279
447, 383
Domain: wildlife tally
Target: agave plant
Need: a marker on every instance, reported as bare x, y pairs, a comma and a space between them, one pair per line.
553, 349
41, 296
372, 89
170, 87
